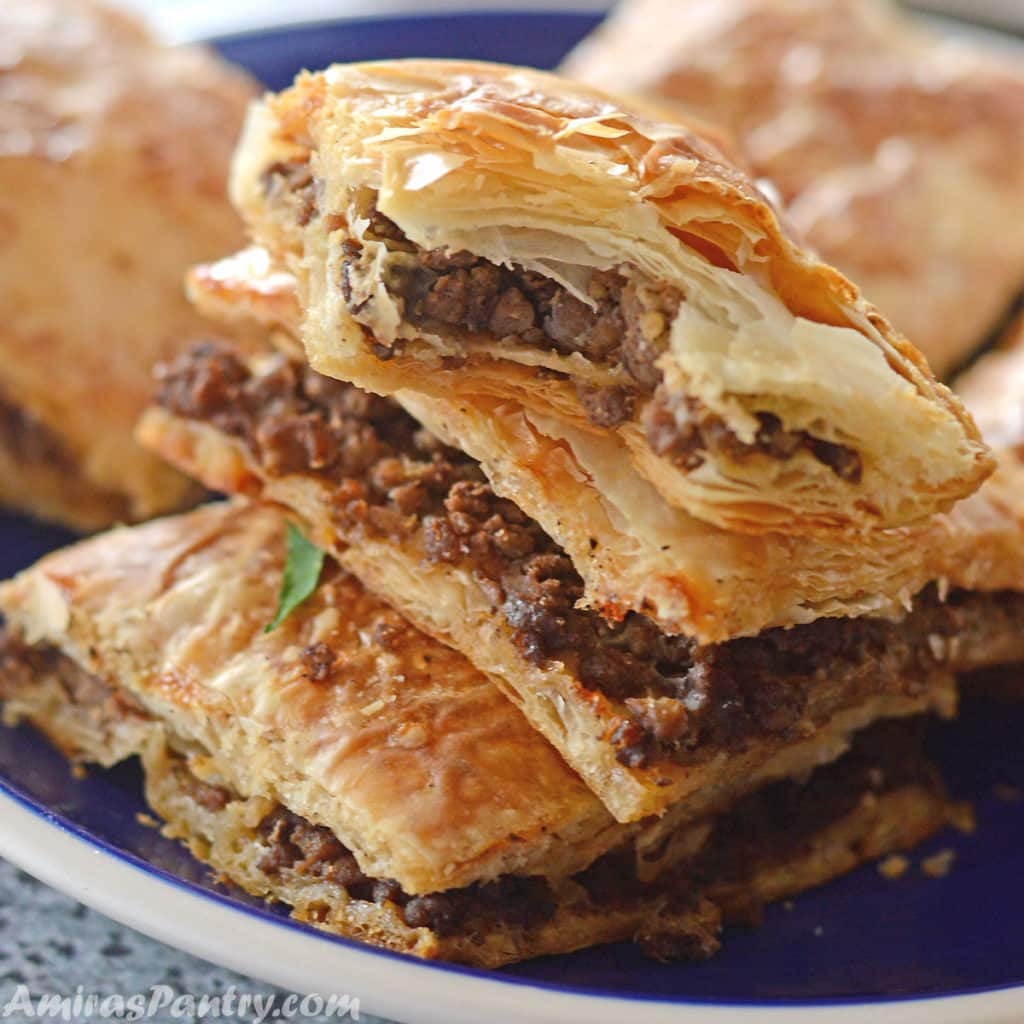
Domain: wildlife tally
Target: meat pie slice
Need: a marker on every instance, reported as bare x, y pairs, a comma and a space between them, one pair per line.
495, 236
652, 722
780, 841
899, 153
90, 177
368, 777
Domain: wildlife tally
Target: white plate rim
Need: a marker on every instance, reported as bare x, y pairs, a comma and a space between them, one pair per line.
400, 988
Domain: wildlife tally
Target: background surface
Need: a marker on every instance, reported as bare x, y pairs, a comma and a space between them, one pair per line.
196, 19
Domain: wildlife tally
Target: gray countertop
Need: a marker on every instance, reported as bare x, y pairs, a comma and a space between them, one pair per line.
51, 944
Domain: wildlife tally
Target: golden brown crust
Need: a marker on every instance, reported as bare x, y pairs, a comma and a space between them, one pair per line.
899, 154
103, 205
721, 584
876, 825
248, 294
499, 162
407, 753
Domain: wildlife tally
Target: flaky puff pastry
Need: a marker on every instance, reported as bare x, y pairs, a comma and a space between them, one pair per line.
114, 153
748, 383
410, 756
900, 154
803, 690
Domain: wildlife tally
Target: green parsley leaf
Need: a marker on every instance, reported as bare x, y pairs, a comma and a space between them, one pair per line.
301, 574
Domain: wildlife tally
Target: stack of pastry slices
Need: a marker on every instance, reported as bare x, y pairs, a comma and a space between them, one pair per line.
619, 546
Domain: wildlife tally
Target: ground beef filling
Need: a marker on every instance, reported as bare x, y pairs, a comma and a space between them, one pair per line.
291, 182
626, 327
774, 826
677, 700
22, 664
297, 845
686, 440
462, 296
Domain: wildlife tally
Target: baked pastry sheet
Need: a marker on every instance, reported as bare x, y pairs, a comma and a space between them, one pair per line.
633, 550
899, 153
346, 713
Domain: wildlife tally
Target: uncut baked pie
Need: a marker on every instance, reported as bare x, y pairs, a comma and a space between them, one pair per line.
898, 152
114, 151
367, 776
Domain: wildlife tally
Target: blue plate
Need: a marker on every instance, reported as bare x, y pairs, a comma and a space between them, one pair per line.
860, 939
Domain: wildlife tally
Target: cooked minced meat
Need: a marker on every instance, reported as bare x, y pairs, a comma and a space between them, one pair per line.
677, 699
292, 181
626, 327
684, 431
297, 845
22, 663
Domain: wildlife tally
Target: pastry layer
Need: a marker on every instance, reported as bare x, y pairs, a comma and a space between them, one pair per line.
899, 154
345, 713
880, 797
650, 721
432, 214
89, 179
775, 844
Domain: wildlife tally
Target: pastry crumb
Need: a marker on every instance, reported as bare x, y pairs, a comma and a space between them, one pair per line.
961, 817
147, 819
78, 771
788, 905
1007, 793
894, 866
939, 864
